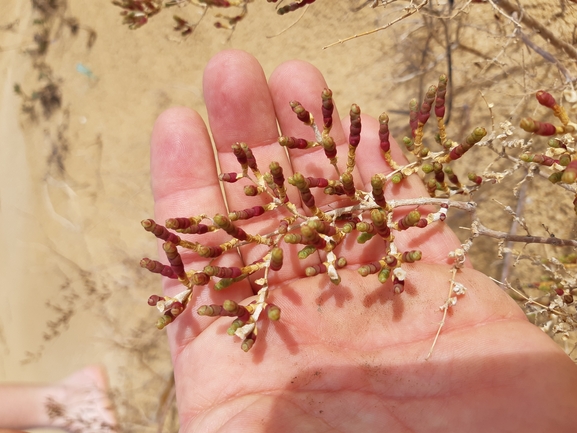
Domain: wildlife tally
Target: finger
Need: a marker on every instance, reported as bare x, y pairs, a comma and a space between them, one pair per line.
240, 109
300, 81
183, 187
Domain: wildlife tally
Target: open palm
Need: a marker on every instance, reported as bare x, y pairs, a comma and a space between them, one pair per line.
351, 357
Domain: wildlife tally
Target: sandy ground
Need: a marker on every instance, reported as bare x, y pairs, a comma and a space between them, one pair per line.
75, 185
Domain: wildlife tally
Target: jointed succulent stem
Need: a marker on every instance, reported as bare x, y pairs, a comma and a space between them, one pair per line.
370, 217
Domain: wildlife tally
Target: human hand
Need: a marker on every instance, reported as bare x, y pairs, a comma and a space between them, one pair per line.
350, 357
79, 402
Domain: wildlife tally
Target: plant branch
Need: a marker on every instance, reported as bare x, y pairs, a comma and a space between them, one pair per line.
410, 10
480, 230
532, 23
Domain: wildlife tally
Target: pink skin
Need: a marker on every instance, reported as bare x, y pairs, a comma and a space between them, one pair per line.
345, 358
82, 397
